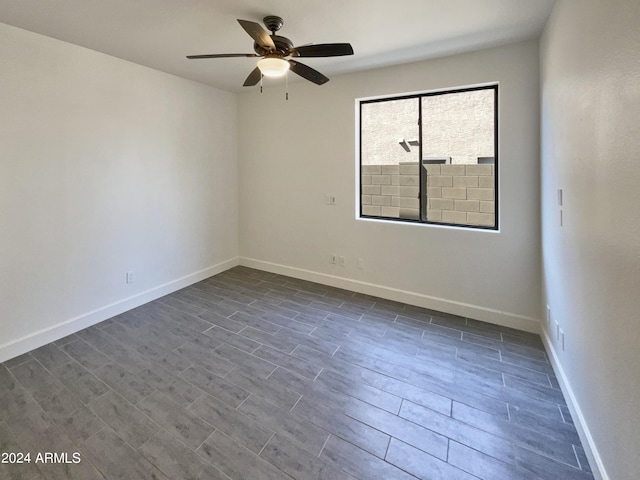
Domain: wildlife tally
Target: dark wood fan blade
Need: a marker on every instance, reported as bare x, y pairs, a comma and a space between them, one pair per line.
307, 72
322, 50
259, 34
222, 55
253, 78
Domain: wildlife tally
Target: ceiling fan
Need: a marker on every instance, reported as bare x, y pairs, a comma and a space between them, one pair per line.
275, 49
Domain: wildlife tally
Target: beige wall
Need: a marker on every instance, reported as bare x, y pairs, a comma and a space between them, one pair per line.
590, 81
286, 226
105, 167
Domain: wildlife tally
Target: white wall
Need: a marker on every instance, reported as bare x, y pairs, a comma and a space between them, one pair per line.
105, 166
590, 80
292, 153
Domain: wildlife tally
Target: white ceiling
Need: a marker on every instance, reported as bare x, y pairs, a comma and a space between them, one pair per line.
160, 33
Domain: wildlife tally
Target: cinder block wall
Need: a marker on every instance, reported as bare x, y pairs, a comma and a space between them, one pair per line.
458, 194
391, 190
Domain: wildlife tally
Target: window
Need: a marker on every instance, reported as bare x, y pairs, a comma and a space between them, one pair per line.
431, 157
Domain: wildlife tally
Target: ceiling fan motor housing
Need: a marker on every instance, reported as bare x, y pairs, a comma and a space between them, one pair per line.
283, 44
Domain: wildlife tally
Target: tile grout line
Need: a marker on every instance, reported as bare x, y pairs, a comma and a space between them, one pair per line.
265, 445
243, 401
575, 452
318, 374
203, 442
295, 404
324, 445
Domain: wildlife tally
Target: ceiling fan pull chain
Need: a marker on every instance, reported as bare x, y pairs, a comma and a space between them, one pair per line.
261, 82
286, 83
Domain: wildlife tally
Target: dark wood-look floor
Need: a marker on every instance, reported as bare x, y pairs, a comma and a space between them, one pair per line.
251, 375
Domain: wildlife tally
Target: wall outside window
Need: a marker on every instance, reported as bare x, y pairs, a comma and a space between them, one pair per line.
453, 135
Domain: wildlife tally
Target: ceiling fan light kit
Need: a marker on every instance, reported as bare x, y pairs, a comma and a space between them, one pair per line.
273, 66
274, 50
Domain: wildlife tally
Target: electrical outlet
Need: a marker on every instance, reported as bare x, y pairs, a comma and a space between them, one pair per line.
334, 258
562, 339
557, 331
130, 277
548, 315
341, 261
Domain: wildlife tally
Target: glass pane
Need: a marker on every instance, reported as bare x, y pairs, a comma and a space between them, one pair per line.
389, 154
458, 149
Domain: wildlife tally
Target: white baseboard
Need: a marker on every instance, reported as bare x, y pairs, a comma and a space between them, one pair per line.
595, 461
67, 327
484, 314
